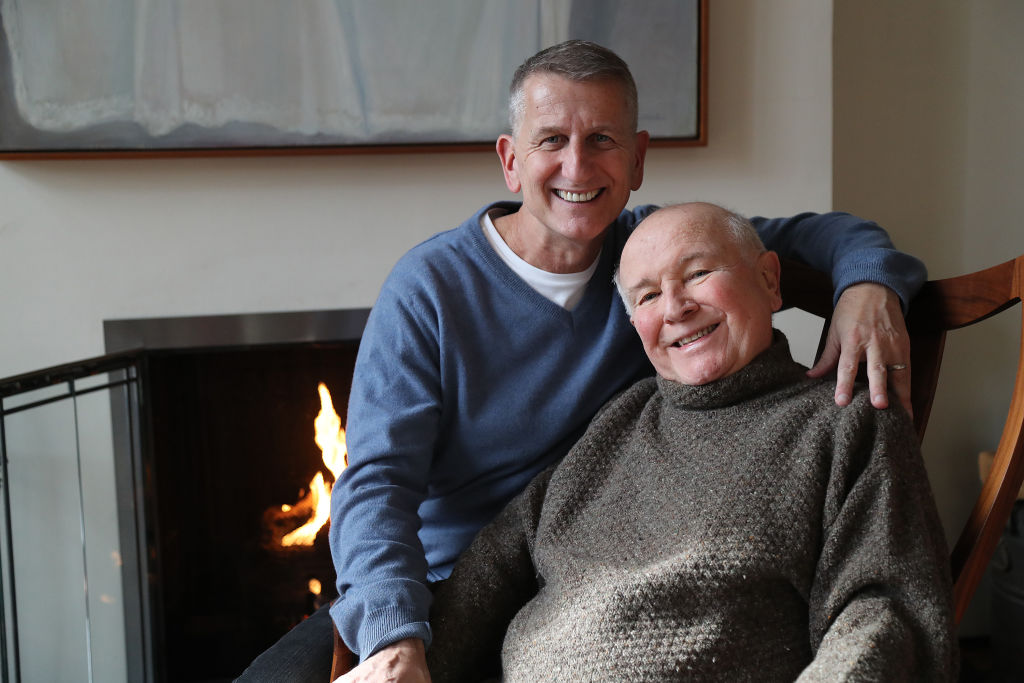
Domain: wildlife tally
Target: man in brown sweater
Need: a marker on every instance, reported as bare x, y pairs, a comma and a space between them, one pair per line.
724, 520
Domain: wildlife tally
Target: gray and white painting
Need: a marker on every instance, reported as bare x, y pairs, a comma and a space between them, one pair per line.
164, 74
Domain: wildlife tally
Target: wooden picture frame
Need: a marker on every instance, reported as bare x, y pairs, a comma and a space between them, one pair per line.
236, 77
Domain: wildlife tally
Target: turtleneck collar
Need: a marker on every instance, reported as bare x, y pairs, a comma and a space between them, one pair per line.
772, 368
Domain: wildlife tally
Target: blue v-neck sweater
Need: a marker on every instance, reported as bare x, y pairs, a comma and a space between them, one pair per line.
468, 383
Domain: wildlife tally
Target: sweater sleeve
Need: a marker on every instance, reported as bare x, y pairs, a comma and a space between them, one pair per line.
393, 419
851, 249
880, 607
490, 583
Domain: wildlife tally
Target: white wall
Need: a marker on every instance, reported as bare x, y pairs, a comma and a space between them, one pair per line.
929, 98
84, 241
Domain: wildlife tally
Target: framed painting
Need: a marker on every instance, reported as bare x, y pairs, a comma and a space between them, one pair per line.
153, 77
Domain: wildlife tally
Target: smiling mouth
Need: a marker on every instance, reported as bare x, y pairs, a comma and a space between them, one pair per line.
695, 336
577, 197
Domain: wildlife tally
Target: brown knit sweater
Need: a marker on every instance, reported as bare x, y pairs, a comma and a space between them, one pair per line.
745, 530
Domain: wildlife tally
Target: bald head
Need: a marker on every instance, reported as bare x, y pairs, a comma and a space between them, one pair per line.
693, 217
700, 290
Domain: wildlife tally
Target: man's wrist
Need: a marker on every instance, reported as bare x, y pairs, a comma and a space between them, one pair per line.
418, 632
883, 288
895, 270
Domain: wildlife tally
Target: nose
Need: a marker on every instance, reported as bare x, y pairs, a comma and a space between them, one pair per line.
575, 160
677, 305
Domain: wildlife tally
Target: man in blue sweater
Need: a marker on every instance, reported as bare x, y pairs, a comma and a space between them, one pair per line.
492, 345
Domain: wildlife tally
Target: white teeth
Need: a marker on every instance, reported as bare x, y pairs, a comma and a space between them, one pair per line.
697, 335
577, 196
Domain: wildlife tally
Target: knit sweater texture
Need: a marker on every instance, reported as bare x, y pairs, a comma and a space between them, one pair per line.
744, 530
468, 383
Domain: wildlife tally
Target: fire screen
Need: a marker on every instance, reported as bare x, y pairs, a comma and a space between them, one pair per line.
74, 601
164, 507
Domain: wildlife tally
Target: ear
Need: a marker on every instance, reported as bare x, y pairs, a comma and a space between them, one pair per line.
643, 138
770, 272
506, 148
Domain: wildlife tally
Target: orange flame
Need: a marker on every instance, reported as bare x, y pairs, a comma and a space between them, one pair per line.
330, 437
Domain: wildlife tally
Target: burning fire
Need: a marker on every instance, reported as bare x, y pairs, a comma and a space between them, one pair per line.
330, 437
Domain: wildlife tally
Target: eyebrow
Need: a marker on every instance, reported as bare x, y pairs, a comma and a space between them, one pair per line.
643, 282
647, 282
545, 131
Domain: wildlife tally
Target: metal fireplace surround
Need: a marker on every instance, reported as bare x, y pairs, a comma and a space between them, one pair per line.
121, 381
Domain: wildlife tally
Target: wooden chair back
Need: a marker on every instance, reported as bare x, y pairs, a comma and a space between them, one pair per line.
342, 660
941, 306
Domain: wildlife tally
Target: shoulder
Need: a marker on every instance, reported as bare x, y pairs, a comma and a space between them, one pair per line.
445, 260
449, 244
421, 281
626, 404
629, 218
860, 415
623, 226
614, 423
860, 436
819, 396
603, 446
808, 407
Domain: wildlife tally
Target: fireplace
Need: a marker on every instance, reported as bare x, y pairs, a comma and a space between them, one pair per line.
213, 456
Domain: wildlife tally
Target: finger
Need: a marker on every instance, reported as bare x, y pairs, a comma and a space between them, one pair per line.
899, 385
878, 378
829, 357
846, 375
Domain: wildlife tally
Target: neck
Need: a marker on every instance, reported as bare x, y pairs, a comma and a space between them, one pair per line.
548, 251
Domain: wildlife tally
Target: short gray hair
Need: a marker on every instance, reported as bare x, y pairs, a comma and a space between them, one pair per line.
739, 228
575, 60
744, 234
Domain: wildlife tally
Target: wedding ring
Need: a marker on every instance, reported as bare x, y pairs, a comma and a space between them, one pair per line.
896, 366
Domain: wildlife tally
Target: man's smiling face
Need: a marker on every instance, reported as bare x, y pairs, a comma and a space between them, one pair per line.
575, 157
701, 303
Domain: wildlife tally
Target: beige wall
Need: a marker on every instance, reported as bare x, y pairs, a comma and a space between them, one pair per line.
929, 100
85, 241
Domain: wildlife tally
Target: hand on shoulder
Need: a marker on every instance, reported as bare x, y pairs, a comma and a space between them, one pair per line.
868, 326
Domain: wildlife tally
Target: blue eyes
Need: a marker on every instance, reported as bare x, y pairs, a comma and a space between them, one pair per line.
599, 138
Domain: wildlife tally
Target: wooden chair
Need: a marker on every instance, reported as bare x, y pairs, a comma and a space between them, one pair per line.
941, 306
343, 660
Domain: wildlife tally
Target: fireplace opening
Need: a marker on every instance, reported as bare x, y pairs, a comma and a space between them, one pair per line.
233, 451
229, 407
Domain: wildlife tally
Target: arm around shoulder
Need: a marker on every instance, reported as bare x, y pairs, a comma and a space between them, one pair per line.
851, 249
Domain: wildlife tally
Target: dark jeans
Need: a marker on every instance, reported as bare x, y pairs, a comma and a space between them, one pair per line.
303, 655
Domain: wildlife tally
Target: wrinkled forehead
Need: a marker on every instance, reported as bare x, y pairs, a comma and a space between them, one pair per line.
663, 242
553, 94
